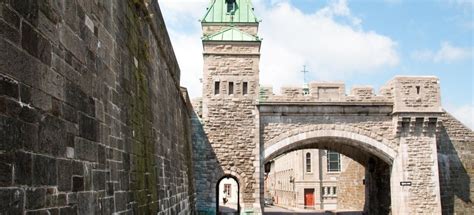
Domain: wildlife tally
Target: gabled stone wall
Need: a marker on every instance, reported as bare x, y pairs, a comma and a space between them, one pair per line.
92, 120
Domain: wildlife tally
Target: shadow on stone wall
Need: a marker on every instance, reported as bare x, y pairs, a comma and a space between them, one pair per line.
207, 170
455, 182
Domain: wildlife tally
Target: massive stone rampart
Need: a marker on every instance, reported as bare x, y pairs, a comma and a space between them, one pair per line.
92, 119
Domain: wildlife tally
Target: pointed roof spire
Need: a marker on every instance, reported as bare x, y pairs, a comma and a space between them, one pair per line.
230, 11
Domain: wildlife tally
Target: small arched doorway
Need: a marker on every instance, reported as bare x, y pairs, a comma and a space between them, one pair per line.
228, 195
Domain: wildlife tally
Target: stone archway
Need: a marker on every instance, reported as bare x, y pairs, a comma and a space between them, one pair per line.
369, 144
232, 199
239, 176
374, 155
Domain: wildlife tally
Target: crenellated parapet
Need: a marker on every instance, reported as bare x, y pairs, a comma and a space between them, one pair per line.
409, 94
322, 92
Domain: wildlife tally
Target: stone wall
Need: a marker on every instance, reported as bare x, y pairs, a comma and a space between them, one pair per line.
92, 120
456, 166
351, 188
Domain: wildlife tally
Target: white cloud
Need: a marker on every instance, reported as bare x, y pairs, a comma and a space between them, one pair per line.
464, 113
331, 41
447, 53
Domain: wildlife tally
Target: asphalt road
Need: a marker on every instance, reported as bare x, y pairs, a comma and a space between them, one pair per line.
274, 210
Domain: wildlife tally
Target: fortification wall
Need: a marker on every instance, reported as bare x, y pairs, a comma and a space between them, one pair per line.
92, 120
406, 93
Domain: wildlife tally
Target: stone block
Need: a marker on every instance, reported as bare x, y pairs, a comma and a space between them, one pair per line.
6, 176
108, 205
9, 134
87, 202
98, 180
70, 15
8, 86
9, 33
52, 136
78, 99
28, 9
73, 43
77, 183
41, 100
29, 114
12, 201
23, 168
35, 44
35, 198
86, 150
121, 200
88, 127
45, 171
65, 170
10, 16
25, 94
77, 168
69, 210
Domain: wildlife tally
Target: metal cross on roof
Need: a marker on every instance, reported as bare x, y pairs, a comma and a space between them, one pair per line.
304, 74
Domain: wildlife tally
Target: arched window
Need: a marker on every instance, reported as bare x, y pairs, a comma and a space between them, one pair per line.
308, 162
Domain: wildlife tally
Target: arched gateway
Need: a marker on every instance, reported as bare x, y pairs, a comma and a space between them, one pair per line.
420, 158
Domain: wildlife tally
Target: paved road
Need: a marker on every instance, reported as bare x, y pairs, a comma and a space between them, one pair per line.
274, 210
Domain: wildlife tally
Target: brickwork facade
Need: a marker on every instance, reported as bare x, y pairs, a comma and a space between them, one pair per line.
92, 119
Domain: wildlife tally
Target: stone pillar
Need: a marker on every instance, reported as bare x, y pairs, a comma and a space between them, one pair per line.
415, 184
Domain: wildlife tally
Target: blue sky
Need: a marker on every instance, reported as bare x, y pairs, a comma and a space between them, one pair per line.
363, 42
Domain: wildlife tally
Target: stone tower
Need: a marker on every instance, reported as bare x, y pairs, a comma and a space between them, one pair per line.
230, 90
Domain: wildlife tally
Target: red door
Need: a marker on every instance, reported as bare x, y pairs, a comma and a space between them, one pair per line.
308, 197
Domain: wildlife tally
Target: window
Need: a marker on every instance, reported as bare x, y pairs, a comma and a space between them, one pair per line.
308, 162
230, 6
245, 88
231, 88
417, 89
322, 191
334, 161
216, 87
334, 190
227, 190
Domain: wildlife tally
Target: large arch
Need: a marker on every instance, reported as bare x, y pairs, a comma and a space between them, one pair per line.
330, 139
375, 155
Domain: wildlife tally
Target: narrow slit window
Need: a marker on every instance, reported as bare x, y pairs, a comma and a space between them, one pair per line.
231, 88
418, 90
217, 87
245, 88
308, 162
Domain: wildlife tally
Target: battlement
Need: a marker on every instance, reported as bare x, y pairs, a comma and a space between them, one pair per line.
407, 93
321, 92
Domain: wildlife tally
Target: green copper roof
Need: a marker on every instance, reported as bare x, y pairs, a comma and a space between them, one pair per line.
231, 34
218, 11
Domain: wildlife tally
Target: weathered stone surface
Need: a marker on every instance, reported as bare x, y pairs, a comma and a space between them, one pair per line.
45, 170
36, 198
83, 85
6, 178
12, 201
